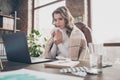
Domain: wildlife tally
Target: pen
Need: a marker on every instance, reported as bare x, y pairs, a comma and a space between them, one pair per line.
108, 65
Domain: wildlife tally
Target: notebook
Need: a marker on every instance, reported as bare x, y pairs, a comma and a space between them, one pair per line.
17, 48
62, 64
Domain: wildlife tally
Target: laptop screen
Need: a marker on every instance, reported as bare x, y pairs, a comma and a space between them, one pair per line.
16, 47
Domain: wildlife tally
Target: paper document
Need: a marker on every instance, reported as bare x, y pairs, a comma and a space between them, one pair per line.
24, 74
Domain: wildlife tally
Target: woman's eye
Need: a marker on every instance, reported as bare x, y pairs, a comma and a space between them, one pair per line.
55, 19
60, 18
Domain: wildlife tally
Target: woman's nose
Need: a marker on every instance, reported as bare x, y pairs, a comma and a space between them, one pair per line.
57, 21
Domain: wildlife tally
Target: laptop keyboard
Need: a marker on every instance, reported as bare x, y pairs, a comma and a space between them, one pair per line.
39, 59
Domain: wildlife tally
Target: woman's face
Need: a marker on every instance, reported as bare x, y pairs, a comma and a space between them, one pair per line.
59, 21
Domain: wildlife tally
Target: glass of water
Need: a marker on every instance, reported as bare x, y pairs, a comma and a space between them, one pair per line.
95, 58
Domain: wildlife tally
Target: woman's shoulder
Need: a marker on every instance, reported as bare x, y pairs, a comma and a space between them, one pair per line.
76, 29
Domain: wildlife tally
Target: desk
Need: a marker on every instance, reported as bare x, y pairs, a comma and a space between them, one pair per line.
109, 73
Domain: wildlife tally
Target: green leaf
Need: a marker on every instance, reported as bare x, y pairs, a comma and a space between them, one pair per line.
35, 48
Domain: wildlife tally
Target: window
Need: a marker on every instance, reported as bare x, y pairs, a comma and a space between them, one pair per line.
42, 2
43, 16
105, 21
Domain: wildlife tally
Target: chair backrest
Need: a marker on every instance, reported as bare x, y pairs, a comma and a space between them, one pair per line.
85, 30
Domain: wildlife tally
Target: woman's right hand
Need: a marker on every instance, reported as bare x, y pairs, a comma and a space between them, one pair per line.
58, 37
53, 34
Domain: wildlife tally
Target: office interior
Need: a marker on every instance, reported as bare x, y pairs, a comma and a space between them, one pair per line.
100, 20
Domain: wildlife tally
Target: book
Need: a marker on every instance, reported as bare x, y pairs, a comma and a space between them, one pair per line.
62, 64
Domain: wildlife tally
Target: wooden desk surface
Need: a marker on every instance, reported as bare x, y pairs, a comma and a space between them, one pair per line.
109, 73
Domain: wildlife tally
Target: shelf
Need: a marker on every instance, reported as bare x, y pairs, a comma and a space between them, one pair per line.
5, 29
2, 15
8, 23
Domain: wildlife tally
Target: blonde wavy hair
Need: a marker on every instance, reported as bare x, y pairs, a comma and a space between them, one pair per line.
65, 13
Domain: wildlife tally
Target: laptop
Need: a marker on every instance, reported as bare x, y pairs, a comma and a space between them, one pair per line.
17, 48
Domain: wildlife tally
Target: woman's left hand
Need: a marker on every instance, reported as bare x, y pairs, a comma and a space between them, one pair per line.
58, 36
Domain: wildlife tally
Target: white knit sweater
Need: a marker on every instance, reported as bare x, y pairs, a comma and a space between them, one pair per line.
62, 48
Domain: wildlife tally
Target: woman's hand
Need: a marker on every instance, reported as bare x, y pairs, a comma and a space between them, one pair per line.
53, 34
58, 37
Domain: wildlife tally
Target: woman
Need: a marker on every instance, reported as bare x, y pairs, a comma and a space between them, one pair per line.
66, 39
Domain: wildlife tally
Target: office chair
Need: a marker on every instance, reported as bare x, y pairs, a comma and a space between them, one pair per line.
85, 30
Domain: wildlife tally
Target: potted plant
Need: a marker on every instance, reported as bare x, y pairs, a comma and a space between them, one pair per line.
34, 46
